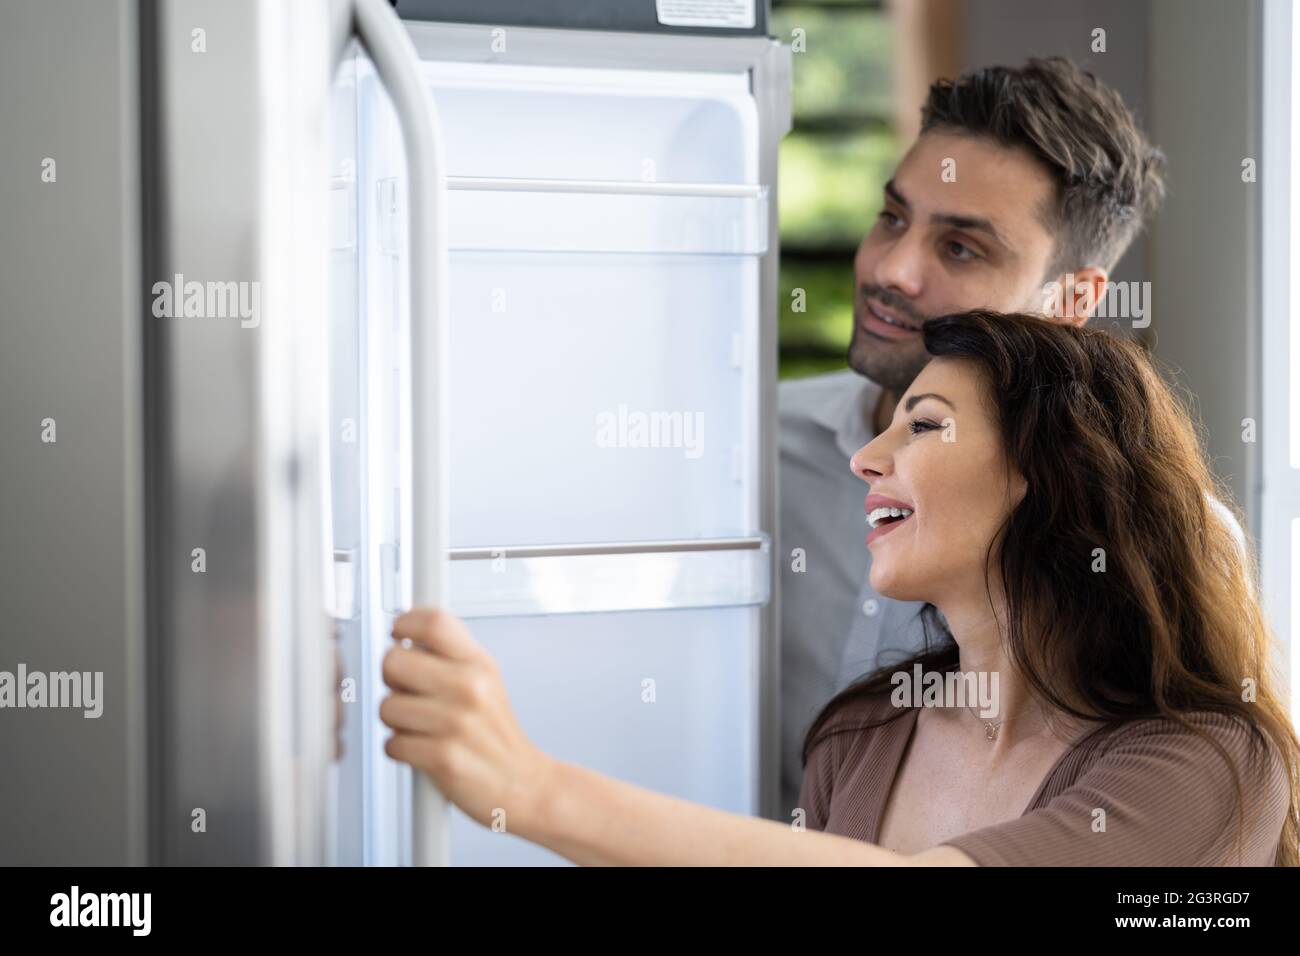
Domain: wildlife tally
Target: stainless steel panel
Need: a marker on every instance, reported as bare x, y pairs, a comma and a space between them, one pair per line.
71, 583
242, 640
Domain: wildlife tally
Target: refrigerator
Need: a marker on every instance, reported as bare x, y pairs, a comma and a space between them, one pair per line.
467, 304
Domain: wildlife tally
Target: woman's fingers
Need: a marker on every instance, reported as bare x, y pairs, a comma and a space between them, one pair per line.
410, 713
451, 717
438, 631
415, 671
417, 750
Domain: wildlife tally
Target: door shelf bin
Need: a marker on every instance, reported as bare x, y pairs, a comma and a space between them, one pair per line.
571, 216
570, 579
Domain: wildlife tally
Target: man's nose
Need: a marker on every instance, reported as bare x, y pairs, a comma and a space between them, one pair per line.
901, 266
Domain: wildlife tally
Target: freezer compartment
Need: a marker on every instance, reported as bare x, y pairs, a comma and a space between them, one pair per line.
666, 700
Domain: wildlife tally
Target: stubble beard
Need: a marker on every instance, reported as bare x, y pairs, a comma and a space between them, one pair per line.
891, 365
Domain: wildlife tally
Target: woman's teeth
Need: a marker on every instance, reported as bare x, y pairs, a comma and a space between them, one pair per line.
878, 516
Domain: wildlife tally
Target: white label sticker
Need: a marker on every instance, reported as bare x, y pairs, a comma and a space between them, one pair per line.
737, 14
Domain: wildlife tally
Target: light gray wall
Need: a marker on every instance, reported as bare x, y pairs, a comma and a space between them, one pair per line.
1007, 32
1185, 67
1204, 255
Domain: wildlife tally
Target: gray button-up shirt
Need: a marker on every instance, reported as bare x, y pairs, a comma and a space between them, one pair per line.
834, 625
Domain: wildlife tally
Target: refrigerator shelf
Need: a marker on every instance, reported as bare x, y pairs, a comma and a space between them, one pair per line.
559, 216
501, 183
622, 576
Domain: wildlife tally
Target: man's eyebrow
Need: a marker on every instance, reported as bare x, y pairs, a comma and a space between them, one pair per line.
892, 192
975, 223
911, 402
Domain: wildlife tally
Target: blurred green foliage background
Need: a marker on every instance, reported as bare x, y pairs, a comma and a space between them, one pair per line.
833, 164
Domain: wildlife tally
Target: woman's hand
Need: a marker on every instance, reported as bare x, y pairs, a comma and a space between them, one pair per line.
453, 720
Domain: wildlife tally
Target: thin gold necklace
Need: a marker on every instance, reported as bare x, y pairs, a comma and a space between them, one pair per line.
991, 727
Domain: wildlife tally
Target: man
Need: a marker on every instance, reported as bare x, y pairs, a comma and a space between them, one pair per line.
1019, 178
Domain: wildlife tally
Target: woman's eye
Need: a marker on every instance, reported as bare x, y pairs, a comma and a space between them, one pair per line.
918, 425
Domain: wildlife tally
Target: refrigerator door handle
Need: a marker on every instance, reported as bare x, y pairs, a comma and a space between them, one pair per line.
397, 64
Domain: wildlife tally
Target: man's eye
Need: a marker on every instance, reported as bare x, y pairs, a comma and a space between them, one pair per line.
918, 425
890, 219
960, 251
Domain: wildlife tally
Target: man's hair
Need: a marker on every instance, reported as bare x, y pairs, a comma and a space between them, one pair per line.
1109, 178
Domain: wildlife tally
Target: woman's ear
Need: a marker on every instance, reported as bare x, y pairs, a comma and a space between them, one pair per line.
1017, 487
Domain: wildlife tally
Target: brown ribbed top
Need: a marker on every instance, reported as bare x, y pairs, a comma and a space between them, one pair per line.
1168, 796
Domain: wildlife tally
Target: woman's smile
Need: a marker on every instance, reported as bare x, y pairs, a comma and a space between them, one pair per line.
885, 514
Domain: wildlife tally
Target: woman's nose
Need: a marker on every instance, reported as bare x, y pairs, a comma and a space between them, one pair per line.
871, 461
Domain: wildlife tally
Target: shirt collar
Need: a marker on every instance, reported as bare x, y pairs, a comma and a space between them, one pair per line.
851, 416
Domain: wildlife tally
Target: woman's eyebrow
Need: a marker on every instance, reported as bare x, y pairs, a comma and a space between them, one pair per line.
911, 402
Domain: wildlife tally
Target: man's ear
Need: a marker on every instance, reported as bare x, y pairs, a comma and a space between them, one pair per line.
1072, 297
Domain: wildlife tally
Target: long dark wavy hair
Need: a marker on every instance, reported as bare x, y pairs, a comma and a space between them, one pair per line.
1111, 459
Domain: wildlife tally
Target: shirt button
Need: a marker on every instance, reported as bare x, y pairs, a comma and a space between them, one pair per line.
870, 607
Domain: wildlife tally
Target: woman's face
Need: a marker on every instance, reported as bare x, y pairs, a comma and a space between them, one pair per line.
941, 459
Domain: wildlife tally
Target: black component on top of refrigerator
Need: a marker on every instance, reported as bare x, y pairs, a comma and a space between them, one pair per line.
693, 17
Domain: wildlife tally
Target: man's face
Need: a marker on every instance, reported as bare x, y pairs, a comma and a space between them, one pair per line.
938, 247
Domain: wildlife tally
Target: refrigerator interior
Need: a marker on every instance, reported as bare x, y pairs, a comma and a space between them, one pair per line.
605, 230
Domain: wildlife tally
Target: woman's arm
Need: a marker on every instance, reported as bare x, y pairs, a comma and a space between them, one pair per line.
453, 721
595, 820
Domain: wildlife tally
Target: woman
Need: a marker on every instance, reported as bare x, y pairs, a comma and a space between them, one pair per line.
1052, 512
